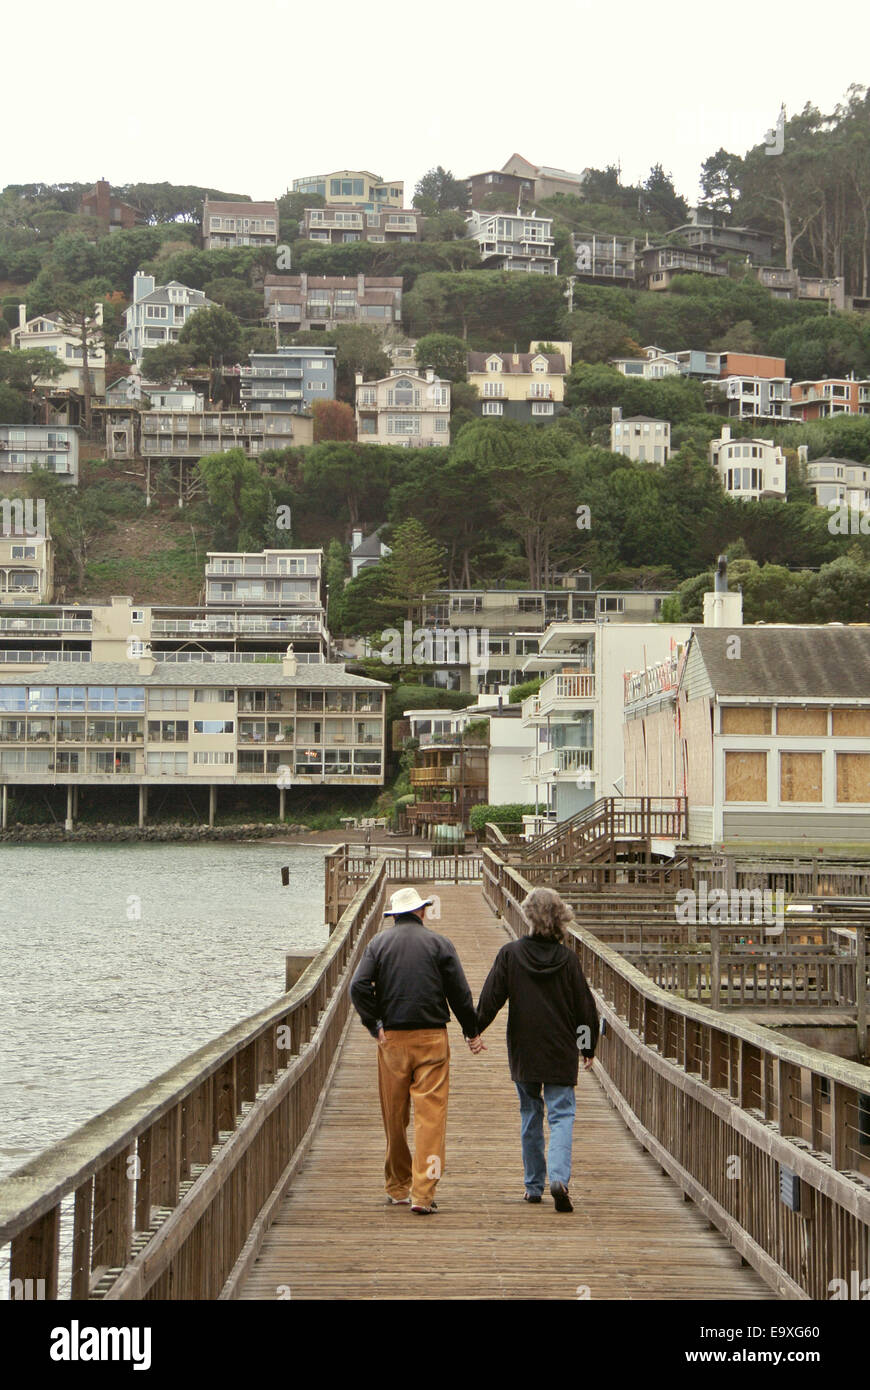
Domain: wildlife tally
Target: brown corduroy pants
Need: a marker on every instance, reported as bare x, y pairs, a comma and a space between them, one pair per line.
414, 1063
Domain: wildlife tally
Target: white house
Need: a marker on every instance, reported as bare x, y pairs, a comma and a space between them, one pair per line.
47, 331
157, 314
748, 468
640, 437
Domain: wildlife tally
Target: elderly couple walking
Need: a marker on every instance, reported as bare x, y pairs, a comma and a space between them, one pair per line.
406, 980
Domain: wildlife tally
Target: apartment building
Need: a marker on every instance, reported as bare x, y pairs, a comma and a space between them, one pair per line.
288, 380
148, 723
819, 400
157, 314
26, 558
656, 266
751, 397
640, 438
508, 624
524, 386
840, 482
175, 434
113, 214
238, 224
136, 394
577, 714
598, 256
354, 188
513, 243
25, 447
254, 605
770, 748
323, 302
50, 333
406, 408
748, 469
341, 224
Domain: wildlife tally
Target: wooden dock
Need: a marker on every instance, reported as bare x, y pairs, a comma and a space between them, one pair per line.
631, 1236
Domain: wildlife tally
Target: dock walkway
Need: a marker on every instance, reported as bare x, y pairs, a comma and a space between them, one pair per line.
631, 1236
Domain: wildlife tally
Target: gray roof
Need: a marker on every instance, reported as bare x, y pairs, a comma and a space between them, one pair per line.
788, 662
369, 545
190, 673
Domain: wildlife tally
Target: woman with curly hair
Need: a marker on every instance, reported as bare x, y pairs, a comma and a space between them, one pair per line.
552, 1020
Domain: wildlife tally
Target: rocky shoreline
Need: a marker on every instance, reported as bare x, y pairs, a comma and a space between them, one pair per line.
160, 834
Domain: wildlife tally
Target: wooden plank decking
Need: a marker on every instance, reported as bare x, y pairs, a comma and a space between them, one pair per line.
631, 1235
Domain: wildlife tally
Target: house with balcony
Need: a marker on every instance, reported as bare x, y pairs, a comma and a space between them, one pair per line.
546, 180
601, 258
509, 743
750, 397
182, 435
289, 380
25, 447
653, 366
527, 386
449, 779
26, 560
703, 234
50, 333
340, 224
840, 483
770, 749
820, 400
354, 188
113, 214
232, 224
403, 408
157, 314
790, 284
322, 302
656, 266
639, 437
748, 469
513, 243
577, 712
148, 723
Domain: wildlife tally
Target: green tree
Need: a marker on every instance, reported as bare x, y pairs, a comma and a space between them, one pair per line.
165, 362
445, 353
77, 309
413, 569
212, 335
438, 191
241, 505
237, 296
335, 570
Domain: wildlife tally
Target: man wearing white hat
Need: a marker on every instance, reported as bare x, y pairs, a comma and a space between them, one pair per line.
404, 988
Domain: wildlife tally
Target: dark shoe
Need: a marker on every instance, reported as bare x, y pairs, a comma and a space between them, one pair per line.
424, 1211
527, 1197
560, 1196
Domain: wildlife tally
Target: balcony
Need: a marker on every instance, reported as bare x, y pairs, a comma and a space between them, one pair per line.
41, 658
552, 764
271, 393
35, 624
450, 776
559, 695
545, 395
258, 373
231, 625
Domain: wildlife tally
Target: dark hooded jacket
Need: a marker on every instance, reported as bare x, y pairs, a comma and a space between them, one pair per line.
549, 1000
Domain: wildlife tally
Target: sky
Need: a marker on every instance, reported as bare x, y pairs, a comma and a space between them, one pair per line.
245, 98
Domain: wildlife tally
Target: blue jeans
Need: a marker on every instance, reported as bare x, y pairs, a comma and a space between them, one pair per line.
561, 1106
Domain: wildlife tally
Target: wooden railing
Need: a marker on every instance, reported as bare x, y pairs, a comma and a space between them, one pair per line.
608, 820
344, 872
800, 875
732, 1112
168, 1194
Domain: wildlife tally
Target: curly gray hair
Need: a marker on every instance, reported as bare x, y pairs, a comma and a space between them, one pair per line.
547, 914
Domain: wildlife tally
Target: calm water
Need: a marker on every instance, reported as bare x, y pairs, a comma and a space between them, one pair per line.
116, 961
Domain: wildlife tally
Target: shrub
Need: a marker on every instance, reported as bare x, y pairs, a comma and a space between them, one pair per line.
509, 814
522, 692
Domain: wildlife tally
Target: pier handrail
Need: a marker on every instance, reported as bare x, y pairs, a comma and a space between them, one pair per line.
733, 1112
171, 1184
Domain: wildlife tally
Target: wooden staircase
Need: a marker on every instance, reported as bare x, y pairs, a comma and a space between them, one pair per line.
611, 826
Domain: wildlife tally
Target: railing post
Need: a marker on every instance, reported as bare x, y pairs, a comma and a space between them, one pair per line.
861, 990
715, 967
35, 1255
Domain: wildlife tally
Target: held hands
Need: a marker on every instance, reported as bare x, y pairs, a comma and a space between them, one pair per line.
476, 1045
382, 1037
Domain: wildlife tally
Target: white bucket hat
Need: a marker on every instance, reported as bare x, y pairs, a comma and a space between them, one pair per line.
406, 900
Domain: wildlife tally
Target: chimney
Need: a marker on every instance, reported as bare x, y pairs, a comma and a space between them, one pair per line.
147, 662
803, 453
142, 285
726, 434
722, 608
358, 378
615, 414
22, 315
355, 538
98, 312
289, 664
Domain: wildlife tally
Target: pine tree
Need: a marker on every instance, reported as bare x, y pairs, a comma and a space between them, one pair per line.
415, 568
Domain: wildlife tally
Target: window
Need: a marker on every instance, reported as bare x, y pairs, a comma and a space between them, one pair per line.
745, 776
403, 424
168, 730
213, 759
806, 722
493, 388
441, 424
853, 775
493, 408
213, 697
24, 552
611, 604
213, 726
800, 777
749, 719
165, 764
315, 385
137, 615
542, 407
168, 699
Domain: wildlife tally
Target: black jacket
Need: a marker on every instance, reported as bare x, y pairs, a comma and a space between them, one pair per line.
549, 1001
407, 977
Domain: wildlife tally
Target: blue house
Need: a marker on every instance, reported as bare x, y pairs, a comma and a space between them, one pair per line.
290, 379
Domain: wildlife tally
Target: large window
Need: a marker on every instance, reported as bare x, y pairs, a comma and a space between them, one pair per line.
403, 424
800, 777
853, 776
213, 726
745, 776
168, 699
165, 764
